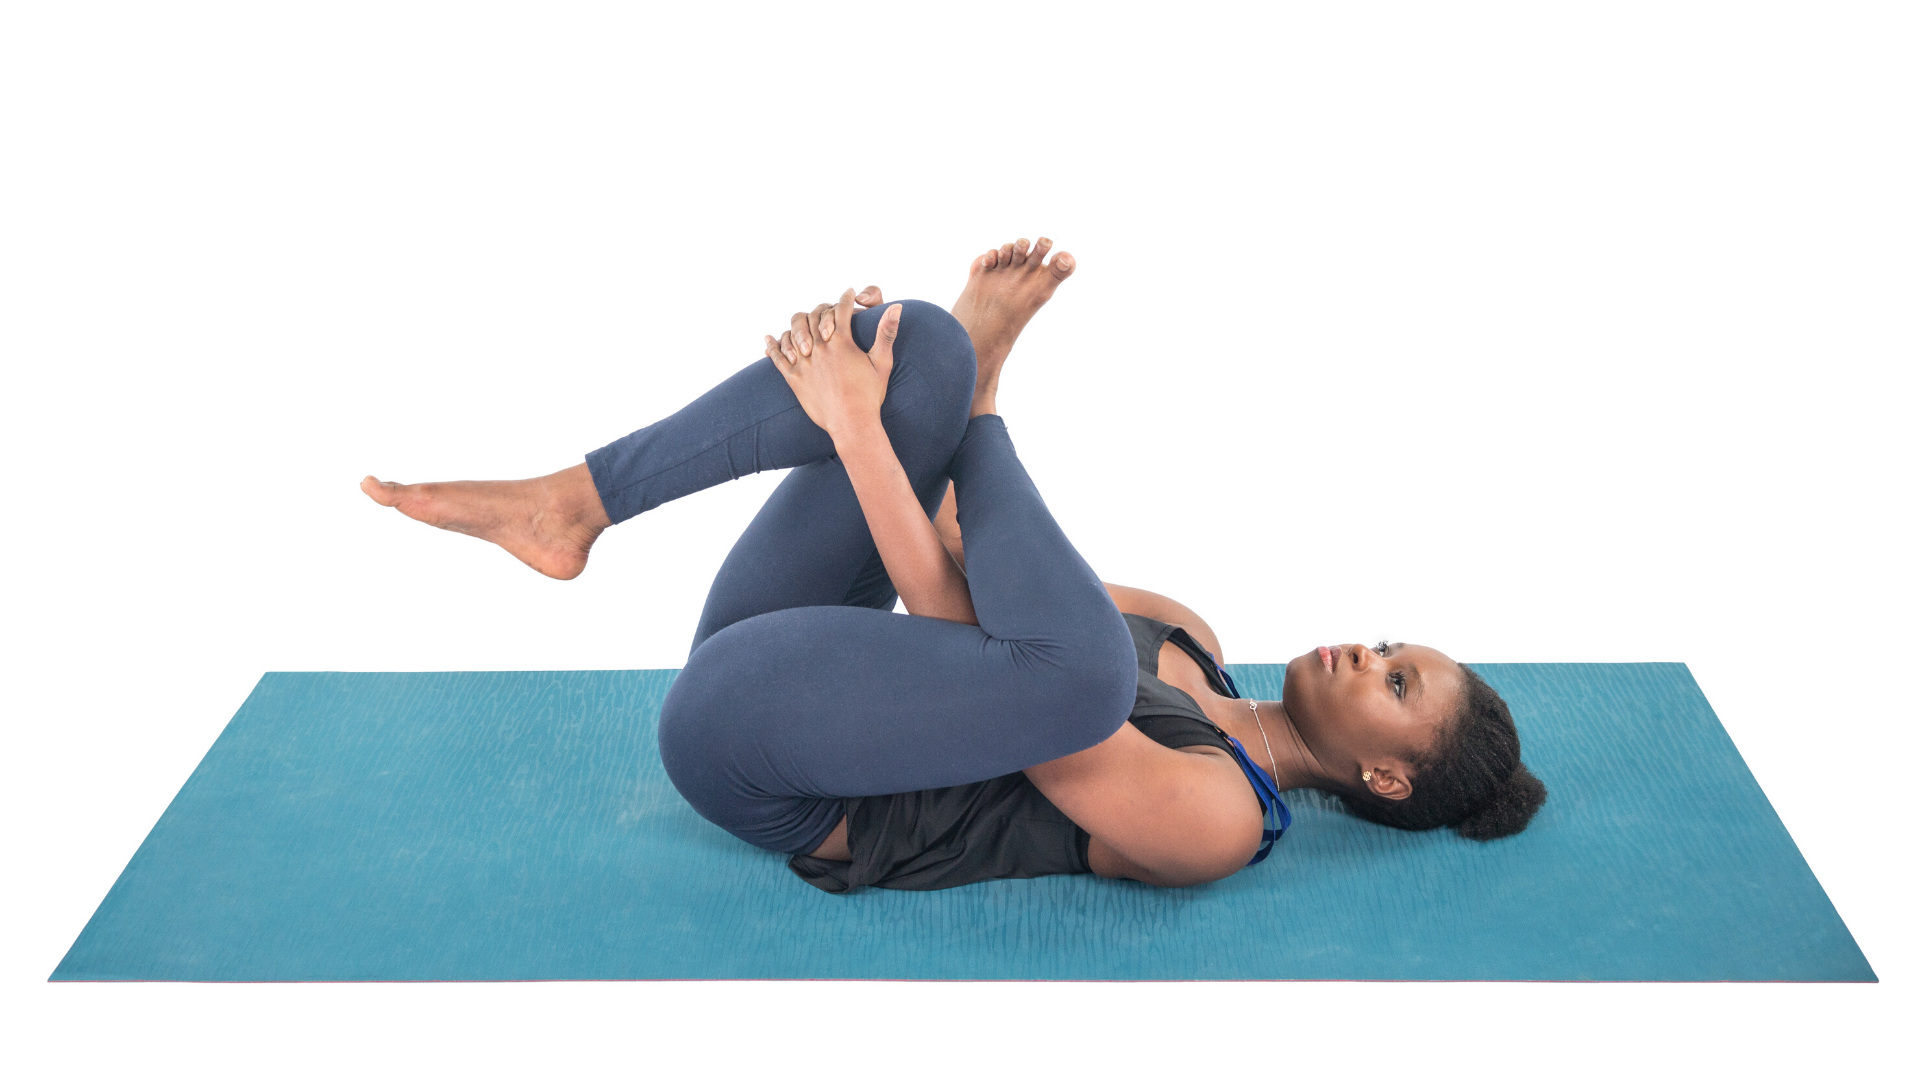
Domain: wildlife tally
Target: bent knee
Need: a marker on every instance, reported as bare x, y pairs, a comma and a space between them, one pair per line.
932, 343
1098, 675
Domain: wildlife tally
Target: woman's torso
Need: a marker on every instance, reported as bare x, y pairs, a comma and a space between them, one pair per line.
1004, 827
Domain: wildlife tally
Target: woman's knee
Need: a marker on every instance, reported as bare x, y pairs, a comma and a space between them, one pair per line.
1096, 675
933, 345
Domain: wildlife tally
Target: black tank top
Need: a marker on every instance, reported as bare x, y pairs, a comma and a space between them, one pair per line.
1004, 827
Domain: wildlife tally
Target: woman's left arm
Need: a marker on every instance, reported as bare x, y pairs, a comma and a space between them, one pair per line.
1167, 610
1130, 600
947, 524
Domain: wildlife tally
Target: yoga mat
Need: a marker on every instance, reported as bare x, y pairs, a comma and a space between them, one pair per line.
517, 825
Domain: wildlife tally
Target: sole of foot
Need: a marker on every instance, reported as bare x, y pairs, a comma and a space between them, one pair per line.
530, 519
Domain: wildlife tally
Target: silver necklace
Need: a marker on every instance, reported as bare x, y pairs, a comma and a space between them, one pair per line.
1255, 706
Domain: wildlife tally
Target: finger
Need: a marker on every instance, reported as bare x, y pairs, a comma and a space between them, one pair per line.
823, 315
882, 352
843, 311
813, 322
1020, 252
787, 346
802, 330
868, 297
774, 354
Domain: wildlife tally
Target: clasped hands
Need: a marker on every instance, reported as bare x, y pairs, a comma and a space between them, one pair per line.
838, 385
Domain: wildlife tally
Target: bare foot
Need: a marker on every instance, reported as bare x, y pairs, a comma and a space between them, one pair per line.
1004, 288
548, 522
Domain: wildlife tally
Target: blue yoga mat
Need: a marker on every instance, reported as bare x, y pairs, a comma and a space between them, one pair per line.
517, 825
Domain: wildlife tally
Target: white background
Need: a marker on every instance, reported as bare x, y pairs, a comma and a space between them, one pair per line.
1533, 332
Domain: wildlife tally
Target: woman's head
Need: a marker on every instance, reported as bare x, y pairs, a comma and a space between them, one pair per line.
1412, 739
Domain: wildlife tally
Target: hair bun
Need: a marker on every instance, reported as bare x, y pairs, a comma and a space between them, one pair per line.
1513, 805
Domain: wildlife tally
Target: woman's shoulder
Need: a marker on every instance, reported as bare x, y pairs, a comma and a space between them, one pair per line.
1152, 605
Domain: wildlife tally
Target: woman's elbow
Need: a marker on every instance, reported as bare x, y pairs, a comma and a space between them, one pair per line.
1199, 873
1219, 857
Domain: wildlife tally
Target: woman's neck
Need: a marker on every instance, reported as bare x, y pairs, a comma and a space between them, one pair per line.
1272, 742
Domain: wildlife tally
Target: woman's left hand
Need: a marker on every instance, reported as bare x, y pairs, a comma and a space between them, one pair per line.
823, 313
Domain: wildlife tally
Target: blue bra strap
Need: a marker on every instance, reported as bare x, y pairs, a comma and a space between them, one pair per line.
1271, 808
1232, 690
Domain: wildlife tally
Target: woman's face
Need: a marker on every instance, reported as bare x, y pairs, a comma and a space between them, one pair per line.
1358, 706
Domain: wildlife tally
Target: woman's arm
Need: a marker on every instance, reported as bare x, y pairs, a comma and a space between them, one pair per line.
841, 389
947, 524
928, 580
1132, 601
1166, 610
1161, 816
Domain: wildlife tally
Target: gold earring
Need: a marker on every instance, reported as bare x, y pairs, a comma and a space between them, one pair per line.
1368, 775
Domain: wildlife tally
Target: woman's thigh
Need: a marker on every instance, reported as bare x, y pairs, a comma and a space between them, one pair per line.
779, 717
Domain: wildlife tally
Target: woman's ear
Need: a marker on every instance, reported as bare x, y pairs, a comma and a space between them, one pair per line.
1388, 780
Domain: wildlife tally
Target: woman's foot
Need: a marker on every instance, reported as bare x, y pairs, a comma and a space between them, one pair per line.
1004, 288
548, 522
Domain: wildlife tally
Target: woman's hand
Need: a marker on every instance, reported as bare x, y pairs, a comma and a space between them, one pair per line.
866, 298
823, 317
840, 387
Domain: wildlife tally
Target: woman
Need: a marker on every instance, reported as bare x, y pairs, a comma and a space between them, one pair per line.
1023, 718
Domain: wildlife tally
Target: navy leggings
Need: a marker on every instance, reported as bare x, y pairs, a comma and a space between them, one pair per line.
804, 688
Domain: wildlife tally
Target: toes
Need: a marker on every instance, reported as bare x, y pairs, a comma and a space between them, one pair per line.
1061, 266
1006, 254
1040, 249
1020, 251
380, 491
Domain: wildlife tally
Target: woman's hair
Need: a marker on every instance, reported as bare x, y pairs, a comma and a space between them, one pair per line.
1471, 778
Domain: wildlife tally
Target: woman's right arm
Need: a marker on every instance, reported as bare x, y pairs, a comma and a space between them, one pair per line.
1156, 815
841, 388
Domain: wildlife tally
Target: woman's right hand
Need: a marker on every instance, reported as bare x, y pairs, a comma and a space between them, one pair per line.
840, 387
